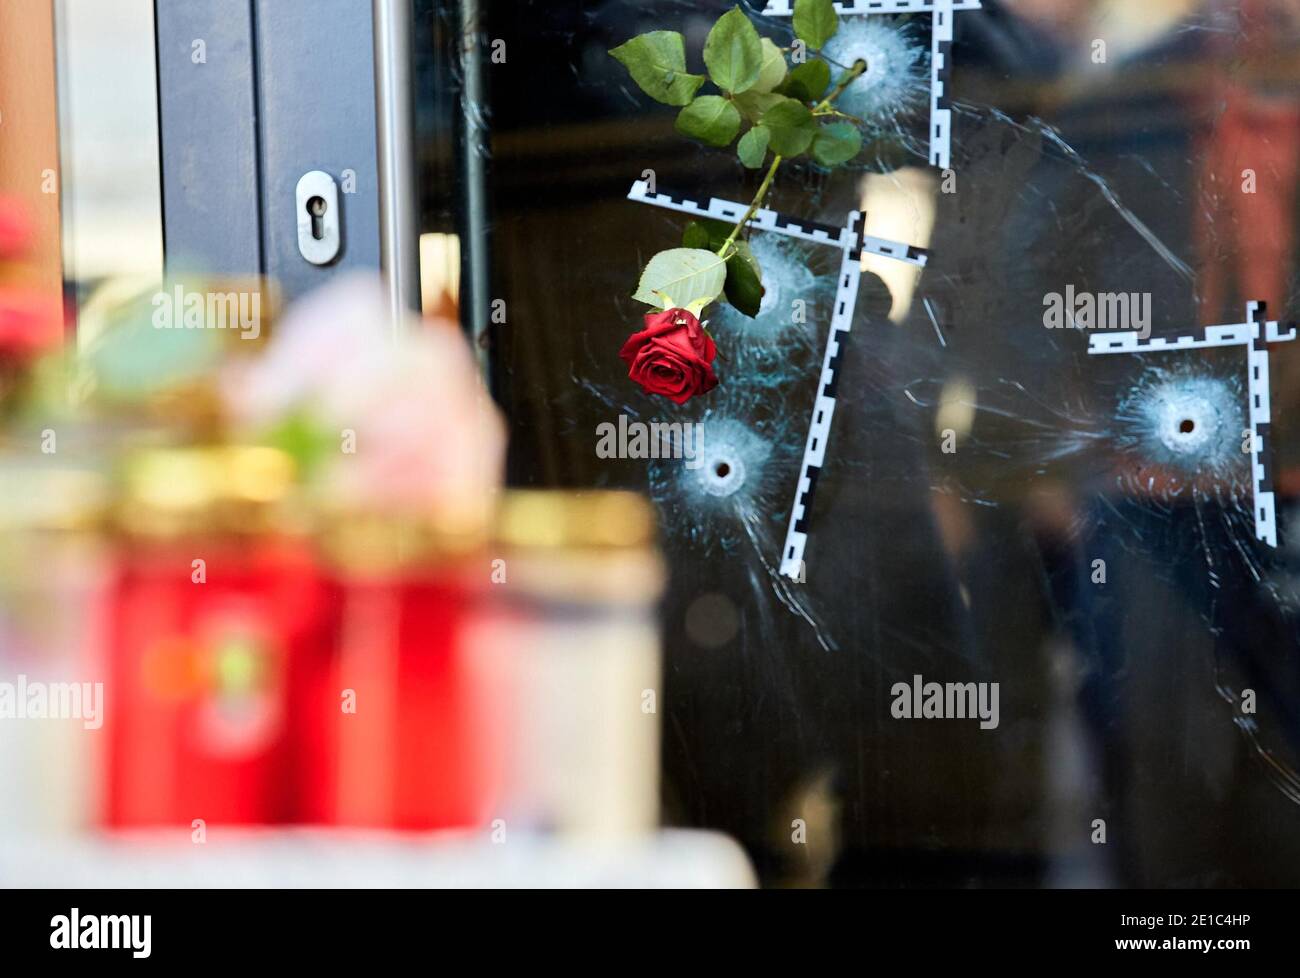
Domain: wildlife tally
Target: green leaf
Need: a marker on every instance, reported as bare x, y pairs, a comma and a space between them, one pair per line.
706, 233
752, 148
657, 62
774, 68
680, 276
836, 143
808, 82
710, 119
301, 436
753, 104
733, 53
744, 285
815, 22
791, 127
696, 236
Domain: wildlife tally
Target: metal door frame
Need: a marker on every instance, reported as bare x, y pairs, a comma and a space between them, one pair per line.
254, 93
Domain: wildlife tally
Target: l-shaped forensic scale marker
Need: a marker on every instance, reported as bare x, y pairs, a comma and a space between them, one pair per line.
1253, 334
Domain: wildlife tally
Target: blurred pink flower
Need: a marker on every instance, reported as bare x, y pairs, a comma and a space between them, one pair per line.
427, 435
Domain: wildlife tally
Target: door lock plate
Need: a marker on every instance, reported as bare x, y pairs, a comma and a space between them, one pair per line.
318, 217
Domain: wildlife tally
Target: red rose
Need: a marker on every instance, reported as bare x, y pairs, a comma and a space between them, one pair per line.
672, 356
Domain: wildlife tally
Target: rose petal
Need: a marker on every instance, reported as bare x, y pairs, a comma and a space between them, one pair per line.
672, 357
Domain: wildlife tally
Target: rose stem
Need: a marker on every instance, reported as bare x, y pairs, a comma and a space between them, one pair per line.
754, 205
858, 68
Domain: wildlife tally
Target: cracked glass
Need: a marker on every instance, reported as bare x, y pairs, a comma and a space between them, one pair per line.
999, 502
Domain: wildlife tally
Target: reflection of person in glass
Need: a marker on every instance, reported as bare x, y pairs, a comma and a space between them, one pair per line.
1196, 623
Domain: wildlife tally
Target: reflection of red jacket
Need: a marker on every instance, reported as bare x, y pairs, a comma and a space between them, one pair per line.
1248, 162
1249, 156
1247, 183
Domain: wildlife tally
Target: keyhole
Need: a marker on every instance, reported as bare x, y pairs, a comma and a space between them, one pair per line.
1187, 426
722, 469
316, 207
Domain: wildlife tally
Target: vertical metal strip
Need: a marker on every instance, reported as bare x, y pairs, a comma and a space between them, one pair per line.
475, 302
398, 206
207, 107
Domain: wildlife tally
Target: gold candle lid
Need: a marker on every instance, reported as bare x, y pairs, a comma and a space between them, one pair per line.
590, 519
371, 543
213, 489
594, 548
35, 496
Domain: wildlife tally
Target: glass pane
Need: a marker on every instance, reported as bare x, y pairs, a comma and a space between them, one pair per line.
1078, 541
108, 127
